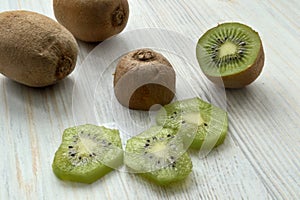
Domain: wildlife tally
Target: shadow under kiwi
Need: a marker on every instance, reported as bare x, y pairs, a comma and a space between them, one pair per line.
70, 185
172, 190
19, 95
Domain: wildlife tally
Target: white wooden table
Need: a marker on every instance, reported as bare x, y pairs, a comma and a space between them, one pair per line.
261, 155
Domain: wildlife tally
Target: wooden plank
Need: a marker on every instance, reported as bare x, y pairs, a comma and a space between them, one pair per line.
260, 158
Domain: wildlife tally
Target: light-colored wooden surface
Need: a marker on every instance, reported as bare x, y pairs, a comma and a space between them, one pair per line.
261, 155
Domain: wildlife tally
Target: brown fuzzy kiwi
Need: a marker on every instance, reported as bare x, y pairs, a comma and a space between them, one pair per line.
35, 50
144, 78
92, 20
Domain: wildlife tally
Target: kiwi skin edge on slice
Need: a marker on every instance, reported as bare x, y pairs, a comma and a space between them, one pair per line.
87, 153
231, 54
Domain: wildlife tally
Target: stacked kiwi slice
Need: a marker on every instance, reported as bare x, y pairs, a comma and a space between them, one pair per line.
231, 54
158, 154
88, 152
200, 124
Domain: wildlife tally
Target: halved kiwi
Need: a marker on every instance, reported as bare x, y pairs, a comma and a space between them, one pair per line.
158, 155
197, 121
87, 153
231, 54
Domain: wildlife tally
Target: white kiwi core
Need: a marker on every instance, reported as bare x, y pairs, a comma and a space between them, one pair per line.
85, 146
158, 148
228, 48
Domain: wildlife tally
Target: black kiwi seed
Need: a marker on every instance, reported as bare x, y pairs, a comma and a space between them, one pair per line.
73, 154
70, 147
173, 164
242, 43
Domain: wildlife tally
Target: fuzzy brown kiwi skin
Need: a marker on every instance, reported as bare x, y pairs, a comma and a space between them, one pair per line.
35, 50
144, 78
244, 78
92, 21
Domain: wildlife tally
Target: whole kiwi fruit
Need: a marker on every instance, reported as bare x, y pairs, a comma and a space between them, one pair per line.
231, 54
34, 49
144, 78
92, 20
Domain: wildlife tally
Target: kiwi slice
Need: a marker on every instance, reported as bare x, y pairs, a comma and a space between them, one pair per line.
231, 54
87, 153
158, 155
201, 124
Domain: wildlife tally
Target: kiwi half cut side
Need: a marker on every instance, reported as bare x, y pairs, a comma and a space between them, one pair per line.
200, 124
158, 155
231, 54
87, 153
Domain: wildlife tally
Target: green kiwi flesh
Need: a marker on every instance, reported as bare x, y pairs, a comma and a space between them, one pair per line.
228, 50
87, 153
198, 121
158, 155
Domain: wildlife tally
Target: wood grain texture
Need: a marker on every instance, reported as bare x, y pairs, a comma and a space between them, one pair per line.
260, 158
